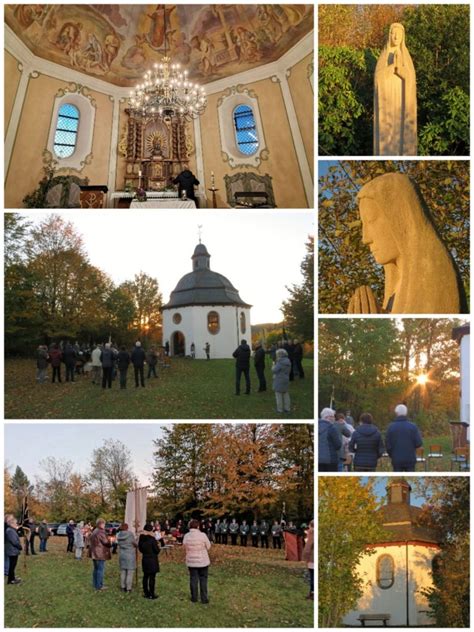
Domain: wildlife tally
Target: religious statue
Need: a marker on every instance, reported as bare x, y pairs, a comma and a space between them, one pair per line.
420, 274
395, 98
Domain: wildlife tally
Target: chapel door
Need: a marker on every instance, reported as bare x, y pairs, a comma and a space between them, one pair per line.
178, 344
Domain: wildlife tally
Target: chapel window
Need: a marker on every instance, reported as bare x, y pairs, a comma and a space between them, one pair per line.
65, 136
177, 318
243, 323
245, 130
213, 324
385, 571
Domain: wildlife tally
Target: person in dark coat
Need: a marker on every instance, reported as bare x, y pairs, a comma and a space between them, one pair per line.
152, 361
70, 536
69, 359
12, 549
123, 362
138, 361
207, 351
186, 181
107, 358
402, 440
289, 347
242, 365
244, 532
254, 531
276, 534
148, 547
264, 534
367, 445
55, 357
329, 442
298, 359
259, 363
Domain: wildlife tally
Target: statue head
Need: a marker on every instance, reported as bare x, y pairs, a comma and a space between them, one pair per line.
397, 226
396, 35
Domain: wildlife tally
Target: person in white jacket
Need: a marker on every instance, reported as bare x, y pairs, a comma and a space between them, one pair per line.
196, 544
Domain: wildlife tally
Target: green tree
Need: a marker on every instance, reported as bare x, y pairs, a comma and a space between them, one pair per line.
111, 473
298, 310
54, 487
345, 262
343, 503
19, 486
15, 229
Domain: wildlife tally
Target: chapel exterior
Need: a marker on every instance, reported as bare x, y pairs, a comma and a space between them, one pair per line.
399, 568
205, 308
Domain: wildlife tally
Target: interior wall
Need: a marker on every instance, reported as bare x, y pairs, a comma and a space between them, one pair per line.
26, 164
303, 100
282, 163
12, 79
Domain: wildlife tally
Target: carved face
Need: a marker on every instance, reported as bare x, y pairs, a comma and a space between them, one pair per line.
377, 233
396, 36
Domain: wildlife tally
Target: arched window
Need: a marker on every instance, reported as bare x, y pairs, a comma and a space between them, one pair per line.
243, 323
213, 324
245, 130
65, 136
385, 571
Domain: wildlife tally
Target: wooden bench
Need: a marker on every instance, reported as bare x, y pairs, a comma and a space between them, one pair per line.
374, 617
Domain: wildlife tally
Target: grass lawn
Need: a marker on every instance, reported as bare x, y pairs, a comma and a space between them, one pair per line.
247, 588
432, 465
190, 389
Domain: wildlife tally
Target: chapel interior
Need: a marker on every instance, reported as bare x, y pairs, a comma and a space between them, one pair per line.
99, 115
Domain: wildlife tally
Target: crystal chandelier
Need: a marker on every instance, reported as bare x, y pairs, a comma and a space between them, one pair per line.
167, 92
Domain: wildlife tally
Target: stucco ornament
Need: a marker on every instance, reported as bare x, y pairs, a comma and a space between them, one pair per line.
395, 98
420, 274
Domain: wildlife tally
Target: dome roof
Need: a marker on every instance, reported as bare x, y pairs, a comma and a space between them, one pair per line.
202, 286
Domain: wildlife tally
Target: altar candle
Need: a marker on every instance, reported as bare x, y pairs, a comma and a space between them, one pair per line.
140, 173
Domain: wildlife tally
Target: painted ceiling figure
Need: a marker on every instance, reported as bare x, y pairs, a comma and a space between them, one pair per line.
399, 567
159, 27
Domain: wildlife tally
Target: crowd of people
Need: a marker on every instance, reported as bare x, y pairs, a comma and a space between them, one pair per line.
196, 537
342, 446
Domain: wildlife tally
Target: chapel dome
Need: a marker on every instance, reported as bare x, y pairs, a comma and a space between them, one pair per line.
203, 286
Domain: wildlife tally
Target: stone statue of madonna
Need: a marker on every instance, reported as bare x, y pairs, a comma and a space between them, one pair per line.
420, 274
395, 98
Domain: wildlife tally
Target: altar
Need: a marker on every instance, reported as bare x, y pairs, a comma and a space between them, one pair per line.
155, 199
163, 203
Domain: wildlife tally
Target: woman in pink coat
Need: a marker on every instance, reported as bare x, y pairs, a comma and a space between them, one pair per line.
197, 545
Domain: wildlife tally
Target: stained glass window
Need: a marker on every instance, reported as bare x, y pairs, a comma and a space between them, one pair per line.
213, 324
245, 130
385, 571
65, 137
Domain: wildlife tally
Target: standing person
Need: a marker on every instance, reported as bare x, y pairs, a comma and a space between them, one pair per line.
298, 359
289, 347
345, 432
152, 360
264, 534
55, 357
43, 535
242, 365
234, 531
148, 547
167, 348
276, 535
69, 359
259, 363
123, 362
99, 551
186, 181
402, 440
308, 557
224, 530
217, 531
127, 557
96, 365
210, 529
41, 364
244, 532
193, 350
70, 536
107, 359
12, 549
79, 540
207, 350
349, 418
138, 361
366, 444
281, 381
196, 544
33, 527
6, 560
254, 531
329, 442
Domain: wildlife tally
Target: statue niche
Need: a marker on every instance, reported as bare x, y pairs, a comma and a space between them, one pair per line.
157, 148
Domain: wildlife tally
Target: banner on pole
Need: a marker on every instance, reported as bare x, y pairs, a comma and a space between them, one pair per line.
135, 509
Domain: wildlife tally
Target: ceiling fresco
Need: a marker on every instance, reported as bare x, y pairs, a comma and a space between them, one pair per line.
118, 43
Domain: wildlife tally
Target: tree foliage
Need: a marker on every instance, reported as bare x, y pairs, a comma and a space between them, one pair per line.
448, 512
370, 365
347, 522
298, 310
351, 38
345, 263
111, 474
